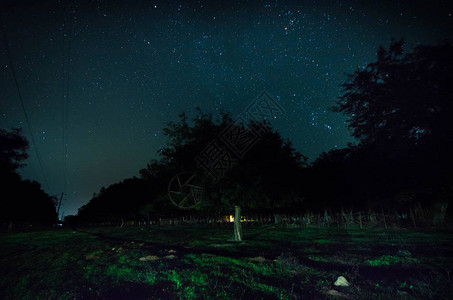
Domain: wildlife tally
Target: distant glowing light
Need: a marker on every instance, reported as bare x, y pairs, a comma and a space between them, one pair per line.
230, 219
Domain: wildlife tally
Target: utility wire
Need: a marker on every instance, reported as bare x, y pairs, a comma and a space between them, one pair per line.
67, 36
13, 72
65, 103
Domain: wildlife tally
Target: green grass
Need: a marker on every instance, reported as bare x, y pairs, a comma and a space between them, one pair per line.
198, 262
387, 260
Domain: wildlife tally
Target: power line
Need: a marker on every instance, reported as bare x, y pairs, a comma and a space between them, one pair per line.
13, 72
67, 36
65, 104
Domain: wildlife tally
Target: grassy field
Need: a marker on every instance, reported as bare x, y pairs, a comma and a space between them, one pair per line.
199, 262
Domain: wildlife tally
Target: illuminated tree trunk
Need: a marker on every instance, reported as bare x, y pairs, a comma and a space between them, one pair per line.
237, 224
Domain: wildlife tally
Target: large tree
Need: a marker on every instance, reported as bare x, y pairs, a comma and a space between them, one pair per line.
21, 200
400, 109
406, 97
13, 150
266, 176
270, 177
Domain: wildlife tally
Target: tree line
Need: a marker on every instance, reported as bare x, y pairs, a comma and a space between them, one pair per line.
23, 202
399, 109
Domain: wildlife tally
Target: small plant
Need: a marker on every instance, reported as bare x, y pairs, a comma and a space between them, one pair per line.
322, 283
385, 260
405, 285
288, 261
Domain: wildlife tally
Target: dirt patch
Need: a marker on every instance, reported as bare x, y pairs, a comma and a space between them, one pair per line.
149, 258
258, 259
91, 257
335, 294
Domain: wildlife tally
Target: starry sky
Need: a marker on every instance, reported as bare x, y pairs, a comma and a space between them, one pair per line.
104, 77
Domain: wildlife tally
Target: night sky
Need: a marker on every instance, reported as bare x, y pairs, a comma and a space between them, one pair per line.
135, 65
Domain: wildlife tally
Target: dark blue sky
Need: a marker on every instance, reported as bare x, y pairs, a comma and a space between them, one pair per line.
135, 65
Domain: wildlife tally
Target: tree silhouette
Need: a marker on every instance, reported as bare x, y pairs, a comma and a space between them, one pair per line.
118, 201
13, 150
406, 97
268, 176
400, 109
21, 200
